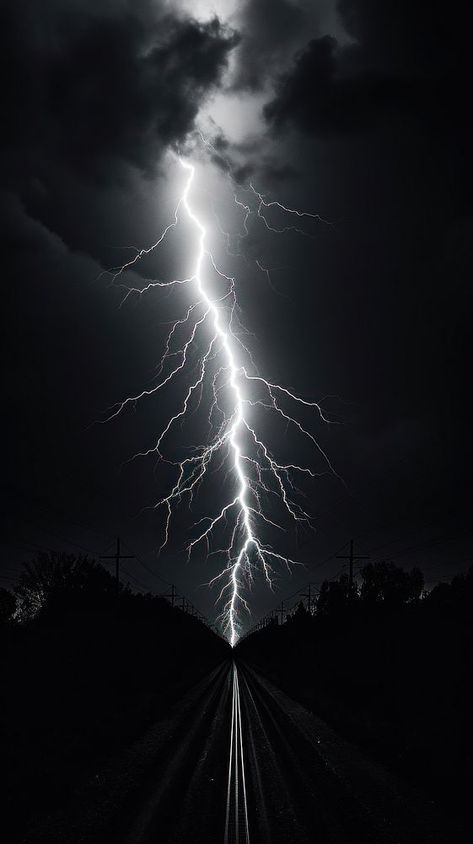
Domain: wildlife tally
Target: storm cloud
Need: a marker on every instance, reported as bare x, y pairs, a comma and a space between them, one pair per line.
400, 60
94, 88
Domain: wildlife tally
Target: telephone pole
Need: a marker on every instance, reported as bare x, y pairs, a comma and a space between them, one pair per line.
351, 557
280, 612
172, 595
309, 596
117, 557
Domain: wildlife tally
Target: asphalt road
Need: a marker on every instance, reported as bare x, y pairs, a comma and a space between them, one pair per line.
237, 762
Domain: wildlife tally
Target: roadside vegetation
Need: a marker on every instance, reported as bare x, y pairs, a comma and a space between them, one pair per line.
86, 669
390, 668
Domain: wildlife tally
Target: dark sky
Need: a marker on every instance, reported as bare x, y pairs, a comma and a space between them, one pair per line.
358, 111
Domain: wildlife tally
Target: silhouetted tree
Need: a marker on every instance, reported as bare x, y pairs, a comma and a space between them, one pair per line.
335, 595
456, 596
53, 579
391, 584
300, 615
7, 605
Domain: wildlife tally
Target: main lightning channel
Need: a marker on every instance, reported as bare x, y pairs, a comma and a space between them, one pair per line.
238, 416
255, 469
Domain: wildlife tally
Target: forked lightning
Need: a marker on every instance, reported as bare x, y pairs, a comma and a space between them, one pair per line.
236, 389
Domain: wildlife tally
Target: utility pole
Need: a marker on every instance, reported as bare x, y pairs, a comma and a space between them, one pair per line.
351, 557
281, 612
308, 595
172, 595
117, 557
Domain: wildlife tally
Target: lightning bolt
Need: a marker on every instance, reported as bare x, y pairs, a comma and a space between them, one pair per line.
236, 389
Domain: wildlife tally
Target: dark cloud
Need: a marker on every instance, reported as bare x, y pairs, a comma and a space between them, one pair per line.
95, 93
271, 31
93, 88
382, 141
403, 60
315, 97
267, 170
410, 37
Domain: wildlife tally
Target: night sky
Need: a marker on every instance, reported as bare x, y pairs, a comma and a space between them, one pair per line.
358, 111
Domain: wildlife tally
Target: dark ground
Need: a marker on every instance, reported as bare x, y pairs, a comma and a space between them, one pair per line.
303, 783
81, 682
118, 712
396, 679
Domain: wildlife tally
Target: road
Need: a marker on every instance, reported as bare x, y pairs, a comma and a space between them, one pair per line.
238, 762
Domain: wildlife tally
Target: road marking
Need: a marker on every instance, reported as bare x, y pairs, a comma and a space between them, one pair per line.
237, 805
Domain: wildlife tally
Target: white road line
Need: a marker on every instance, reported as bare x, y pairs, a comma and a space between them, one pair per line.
236, 787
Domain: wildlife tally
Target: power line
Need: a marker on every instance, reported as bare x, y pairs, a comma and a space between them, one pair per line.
148, 569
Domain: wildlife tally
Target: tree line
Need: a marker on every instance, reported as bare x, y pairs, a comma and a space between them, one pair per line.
389, 666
